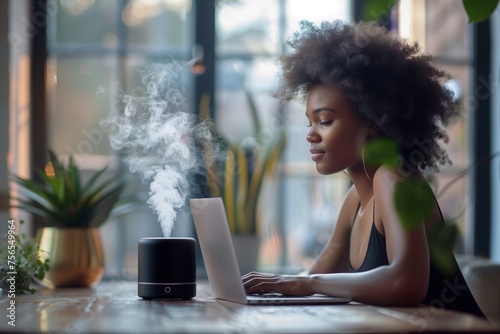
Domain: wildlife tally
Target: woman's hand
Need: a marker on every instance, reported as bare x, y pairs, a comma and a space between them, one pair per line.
290, 285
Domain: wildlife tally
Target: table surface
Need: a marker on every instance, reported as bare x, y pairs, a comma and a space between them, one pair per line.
114, 307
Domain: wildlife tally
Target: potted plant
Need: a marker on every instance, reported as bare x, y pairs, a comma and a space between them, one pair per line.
71, 213
237, 175
22, 262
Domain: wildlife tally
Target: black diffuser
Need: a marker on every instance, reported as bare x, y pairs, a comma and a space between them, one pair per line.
167, 268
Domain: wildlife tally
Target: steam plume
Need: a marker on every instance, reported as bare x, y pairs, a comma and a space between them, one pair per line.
154, 133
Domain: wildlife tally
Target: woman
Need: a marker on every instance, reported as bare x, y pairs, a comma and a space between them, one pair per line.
361, 83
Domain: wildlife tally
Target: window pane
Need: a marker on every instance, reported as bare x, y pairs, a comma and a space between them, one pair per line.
85, 22
249, 26
457, 148
313, 203
451, 187
157, 23
135, 68
451, 192
79, 98
447, 38
236, 79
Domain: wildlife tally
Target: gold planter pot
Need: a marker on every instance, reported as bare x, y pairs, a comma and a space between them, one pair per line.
76, 256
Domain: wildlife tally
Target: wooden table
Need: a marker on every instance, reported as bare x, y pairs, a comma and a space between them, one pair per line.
113, 307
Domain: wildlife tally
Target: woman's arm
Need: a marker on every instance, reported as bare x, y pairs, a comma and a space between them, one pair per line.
333, 259
403, 282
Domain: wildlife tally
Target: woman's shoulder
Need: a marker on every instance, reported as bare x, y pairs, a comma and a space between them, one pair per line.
387, 173
389, 176
385, 182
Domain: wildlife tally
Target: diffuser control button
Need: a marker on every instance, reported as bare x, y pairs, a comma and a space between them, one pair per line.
167, 289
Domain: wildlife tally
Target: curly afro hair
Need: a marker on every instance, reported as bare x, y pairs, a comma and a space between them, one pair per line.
388, 79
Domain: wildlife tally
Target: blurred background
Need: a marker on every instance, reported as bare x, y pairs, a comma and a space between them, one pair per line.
60, 60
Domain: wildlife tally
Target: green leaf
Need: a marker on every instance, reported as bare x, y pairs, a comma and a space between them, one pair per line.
373, 10
93, 180
125, 206
33, 190
52, 184
102, 208
38, 209
380, 152
254, 113
413, 200
479, 10
93, 195
244, 166
72, 182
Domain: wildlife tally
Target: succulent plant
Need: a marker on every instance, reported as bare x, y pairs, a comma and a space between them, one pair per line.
60, 199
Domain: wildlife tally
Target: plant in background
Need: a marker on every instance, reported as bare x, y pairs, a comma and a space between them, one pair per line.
60, 199
20, 255
238, 173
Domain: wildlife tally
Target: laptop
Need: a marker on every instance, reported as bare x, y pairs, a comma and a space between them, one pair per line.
212, 227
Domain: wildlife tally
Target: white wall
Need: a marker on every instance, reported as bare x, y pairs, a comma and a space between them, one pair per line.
495, 131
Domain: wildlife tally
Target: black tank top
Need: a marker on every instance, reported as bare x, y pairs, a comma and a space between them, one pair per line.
448, 291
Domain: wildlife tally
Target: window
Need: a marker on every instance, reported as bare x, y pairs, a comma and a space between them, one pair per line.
449, 42
95, 47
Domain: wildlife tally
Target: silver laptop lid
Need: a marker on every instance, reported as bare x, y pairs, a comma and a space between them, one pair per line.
216, 245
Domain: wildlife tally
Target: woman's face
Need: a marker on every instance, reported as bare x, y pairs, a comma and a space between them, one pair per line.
337, 132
